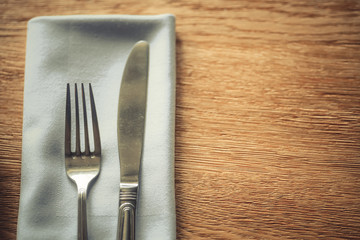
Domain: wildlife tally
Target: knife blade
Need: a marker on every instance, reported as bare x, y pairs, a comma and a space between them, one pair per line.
131, 128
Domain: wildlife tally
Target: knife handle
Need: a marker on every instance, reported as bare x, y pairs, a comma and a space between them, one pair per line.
127, 212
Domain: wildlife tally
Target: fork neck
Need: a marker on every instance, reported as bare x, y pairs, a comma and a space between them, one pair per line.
82, 216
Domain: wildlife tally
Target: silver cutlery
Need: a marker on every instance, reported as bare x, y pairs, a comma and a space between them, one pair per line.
82, 167
131, 126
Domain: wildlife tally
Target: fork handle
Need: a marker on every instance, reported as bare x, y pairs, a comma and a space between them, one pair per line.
82, 218
127, 213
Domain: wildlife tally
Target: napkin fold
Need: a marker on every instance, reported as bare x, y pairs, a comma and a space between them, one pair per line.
94, 49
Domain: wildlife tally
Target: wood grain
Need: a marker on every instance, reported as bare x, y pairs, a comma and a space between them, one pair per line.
267, 114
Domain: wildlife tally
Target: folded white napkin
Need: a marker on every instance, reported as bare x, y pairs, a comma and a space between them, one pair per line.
94, 49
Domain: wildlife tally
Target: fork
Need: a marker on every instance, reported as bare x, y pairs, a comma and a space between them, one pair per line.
82, 167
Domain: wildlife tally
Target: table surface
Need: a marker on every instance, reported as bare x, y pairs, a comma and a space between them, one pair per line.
267, 114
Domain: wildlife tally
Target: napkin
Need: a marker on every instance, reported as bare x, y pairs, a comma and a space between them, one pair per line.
94, 49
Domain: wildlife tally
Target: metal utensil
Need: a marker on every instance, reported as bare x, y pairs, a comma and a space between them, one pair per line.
131, 126
82, 167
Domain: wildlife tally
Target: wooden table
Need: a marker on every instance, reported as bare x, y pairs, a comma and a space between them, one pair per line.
267, 114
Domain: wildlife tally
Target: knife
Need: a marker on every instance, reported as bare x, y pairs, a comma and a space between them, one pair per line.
131, 126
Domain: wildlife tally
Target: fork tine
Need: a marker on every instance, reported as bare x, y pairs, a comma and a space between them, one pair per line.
77, 149
86, 132
97, 146
68, 122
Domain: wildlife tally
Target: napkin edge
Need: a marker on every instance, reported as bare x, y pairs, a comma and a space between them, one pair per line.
85, 17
